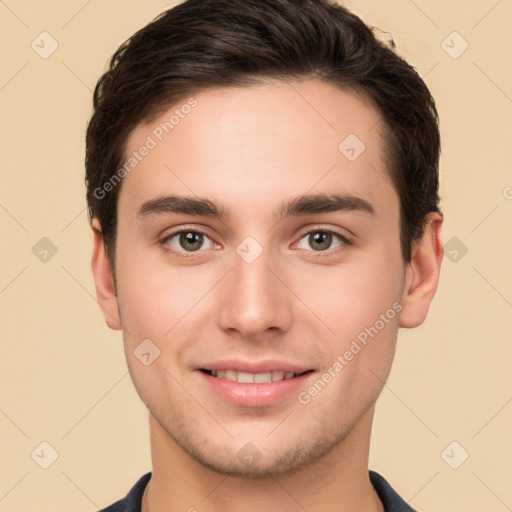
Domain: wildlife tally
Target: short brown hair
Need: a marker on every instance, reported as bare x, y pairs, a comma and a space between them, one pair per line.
201, 44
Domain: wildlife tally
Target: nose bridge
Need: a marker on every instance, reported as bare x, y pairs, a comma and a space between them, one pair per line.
254, 299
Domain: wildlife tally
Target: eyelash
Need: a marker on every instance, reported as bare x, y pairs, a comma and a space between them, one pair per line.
346, 241
184, 254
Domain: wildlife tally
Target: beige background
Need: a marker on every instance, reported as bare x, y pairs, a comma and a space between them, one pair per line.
63, 375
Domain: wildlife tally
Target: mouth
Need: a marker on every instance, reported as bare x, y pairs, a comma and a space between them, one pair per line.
254, 383
253, 378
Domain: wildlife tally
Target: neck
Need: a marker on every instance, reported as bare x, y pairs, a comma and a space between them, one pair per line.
337, 481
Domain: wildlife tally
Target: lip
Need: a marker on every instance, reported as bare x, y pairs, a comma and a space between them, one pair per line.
269, 365
255, 395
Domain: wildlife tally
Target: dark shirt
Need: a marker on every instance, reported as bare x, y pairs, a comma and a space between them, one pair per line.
390, 499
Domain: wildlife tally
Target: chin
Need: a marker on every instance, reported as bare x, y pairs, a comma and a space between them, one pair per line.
257, 459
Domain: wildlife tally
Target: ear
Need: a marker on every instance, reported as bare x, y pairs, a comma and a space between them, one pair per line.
422, 273
104, 279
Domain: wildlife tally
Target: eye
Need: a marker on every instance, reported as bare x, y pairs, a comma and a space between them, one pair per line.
188, 241
320, 240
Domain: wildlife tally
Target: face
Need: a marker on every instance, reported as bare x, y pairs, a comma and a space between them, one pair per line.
258, 250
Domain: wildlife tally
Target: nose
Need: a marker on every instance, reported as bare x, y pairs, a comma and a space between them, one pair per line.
255, 303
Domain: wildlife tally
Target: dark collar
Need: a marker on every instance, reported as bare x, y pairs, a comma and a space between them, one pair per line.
390, 499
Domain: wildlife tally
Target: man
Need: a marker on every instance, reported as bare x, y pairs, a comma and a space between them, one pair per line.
263, 191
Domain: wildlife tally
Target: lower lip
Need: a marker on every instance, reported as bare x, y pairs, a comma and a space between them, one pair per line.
255, 395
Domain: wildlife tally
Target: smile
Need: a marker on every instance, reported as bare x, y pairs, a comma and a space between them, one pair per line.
255, 389
251, 378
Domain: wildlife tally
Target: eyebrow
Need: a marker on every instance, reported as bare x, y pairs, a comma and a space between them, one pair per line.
324, 203
182, 205
301, 205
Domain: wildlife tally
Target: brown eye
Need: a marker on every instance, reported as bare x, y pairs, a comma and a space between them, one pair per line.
188, 241
191, 241
319, 241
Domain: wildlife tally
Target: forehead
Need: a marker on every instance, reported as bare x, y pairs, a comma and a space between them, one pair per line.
254, 146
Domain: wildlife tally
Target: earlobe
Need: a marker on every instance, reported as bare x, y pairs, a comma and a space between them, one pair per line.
422, 274
104, 279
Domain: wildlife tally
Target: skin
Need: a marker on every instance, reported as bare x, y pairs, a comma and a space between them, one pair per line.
251, 149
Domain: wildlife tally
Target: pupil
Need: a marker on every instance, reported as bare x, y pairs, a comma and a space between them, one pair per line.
191, 241
321, 240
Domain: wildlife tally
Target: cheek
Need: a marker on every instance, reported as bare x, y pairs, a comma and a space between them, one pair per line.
362, 311
155, 297
359, 302
352, 296
143, 293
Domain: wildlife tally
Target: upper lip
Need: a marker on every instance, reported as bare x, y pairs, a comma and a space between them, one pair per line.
255, 366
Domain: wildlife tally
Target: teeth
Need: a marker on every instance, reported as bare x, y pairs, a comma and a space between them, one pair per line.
262, 378
230, 375
246, 377
277, 376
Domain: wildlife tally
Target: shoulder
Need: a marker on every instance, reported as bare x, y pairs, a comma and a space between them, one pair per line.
390, 499
132, 501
